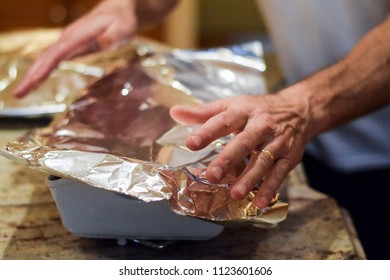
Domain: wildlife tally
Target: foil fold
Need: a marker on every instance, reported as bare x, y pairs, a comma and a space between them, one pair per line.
117, 133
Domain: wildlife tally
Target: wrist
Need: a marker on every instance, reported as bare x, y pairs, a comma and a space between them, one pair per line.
302, 99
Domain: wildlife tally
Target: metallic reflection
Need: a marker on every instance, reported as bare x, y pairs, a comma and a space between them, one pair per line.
128, 143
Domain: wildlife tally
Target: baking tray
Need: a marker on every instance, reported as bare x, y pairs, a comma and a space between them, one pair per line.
92, 212
18, 51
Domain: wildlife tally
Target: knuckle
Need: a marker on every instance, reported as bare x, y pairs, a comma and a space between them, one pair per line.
246, 142
225, 120
225, 161
249, 182
207, 134
267, 122
264, 161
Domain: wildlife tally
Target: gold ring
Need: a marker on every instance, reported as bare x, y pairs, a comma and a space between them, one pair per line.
267, 152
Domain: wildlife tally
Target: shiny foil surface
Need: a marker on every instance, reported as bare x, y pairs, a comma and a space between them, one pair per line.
18, 51
117, 133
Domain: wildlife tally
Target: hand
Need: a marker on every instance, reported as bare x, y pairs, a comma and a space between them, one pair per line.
270, 127
108, 25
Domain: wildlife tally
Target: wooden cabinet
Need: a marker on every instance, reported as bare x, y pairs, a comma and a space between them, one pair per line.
17, 14
179, 30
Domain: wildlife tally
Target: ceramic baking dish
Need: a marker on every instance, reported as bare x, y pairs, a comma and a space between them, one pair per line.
92, 212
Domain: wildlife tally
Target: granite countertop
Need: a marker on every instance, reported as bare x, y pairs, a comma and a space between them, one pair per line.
31, 228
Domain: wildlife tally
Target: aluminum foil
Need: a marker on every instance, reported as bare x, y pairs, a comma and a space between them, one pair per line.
118, 135
18, 50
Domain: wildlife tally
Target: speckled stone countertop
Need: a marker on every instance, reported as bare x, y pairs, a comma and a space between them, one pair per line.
31, 228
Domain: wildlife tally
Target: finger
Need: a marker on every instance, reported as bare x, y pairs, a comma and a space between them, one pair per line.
257, 168
234, 153
197, 114
42, 68
39, 71
74, 40
272, 182
253, 137
216, 127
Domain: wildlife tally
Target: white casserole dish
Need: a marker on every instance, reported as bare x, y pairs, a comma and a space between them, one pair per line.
92, 212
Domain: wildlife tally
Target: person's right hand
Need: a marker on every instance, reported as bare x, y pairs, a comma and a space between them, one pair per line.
107, 26
272, 129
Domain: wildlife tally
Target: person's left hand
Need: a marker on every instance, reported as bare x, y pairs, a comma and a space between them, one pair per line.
107, 26
273, 128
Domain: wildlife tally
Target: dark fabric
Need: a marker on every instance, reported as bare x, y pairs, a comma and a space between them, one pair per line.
365, 195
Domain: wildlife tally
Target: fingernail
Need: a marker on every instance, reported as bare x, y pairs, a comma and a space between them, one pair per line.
217, 172
196, 140
241, 189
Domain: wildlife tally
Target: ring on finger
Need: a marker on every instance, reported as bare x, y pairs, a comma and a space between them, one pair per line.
268, 153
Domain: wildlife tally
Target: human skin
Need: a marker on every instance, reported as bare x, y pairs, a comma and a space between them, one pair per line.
110, 24
281, 124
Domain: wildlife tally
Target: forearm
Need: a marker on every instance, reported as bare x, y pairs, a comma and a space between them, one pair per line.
145, 12
150, 12
357, 85
110, 24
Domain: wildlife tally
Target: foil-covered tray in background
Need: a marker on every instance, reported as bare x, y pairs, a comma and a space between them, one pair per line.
118, 135
19, 49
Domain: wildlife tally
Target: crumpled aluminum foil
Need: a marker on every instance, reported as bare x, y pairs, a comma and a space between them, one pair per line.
18, 50
118, 135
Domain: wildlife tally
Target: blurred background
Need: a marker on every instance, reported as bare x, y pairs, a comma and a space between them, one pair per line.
194, 24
